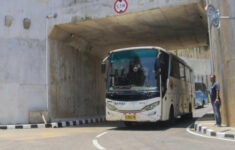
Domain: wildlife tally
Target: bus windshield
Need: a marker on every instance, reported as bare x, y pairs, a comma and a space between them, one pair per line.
133, 70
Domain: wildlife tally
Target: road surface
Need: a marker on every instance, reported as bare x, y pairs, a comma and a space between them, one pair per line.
113, 136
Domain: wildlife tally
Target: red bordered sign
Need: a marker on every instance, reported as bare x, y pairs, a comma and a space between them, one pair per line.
120, 6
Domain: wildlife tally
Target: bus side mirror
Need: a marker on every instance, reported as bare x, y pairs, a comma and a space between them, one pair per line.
103, 65
103, 68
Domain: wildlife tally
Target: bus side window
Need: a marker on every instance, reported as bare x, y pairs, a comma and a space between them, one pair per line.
192, 77
182, 72
187, 73
175, 72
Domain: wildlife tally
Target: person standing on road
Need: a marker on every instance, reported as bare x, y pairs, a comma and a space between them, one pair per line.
215, 99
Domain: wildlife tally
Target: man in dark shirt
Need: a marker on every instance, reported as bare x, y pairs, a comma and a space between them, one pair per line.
215, 99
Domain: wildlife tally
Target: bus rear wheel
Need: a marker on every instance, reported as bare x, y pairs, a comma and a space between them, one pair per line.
171, 120
128, 124
203, 103
190, 114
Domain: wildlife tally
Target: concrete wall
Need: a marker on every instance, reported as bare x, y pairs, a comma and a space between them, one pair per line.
23, 58
150, 23
77, 87
201, 68
76, 10
22, 61
224, 58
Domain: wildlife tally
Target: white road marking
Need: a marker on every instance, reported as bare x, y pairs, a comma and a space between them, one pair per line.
210, 137
97, 145
98, 136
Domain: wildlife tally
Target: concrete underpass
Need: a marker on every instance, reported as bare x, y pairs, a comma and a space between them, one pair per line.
77, 48
81, 35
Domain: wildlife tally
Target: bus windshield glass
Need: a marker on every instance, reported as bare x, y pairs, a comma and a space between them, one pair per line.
133, 70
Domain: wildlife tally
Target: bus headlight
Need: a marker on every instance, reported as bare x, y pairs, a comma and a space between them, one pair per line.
111, 107
151, 106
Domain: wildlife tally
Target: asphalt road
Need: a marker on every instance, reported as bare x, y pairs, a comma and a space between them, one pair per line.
113, 136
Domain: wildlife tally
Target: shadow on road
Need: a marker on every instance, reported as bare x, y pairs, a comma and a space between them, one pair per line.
161, 126
208, 117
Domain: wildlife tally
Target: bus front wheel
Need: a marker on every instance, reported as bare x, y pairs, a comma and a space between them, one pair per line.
171, 116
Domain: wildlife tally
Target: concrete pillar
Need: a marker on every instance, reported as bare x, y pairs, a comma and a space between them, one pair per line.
224, 54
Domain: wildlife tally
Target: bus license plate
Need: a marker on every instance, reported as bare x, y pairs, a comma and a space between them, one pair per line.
130, 117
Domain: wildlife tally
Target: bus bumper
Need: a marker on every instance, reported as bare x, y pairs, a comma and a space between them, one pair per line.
147, 116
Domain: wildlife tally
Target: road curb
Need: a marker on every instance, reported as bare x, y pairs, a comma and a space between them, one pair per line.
59, 124
209, 132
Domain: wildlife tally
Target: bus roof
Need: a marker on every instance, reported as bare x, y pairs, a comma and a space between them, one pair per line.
135, 48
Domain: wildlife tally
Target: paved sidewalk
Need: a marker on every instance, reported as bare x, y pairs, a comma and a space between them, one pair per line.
206, 125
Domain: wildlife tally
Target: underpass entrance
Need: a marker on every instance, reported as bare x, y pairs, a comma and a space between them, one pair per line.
77, 48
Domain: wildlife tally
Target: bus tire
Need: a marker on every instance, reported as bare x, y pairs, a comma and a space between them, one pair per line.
171, 120
190, 115
128, 124
203, 103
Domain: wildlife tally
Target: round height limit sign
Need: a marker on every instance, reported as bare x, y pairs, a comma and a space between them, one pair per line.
120, 6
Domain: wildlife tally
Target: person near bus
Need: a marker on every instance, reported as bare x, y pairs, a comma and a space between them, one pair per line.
215, 99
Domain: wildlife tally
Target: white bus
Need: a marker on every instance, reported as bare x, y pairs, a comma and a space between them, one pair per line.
147, 84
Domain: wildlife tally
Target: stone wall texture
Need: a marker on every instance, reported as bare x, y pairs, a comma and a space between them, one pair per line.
76, 87
223, 46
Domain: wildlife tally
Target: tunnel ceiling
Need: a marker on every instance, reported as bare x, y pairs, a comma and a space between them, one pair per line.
171, 28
